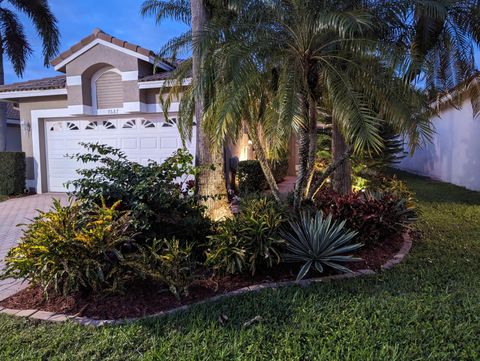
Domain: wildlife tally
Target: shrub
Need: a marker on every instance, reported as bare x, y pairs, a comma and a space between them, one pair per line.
317, 242
375, 216
252, 179
249, 240
399, 189
12, 175
170, 262
68, 250
157, 195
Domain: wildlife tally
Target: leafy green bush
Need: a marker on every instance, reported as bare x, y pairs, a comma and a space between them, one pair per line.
249, 240
12, 174
158, 196
252, 179
67, 250
317, 242
170, 262
399, 189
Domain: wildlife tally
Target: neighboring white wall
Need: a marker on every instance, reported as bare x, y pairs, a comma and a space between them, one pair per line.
454, 154
14, 138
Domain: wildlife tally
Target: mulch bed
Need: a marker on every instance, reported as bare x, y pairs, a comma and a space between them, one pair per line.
146, 298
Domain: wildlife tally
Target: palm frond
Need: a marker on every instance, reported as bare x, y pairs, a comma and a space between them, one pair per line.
14, 41
167, 9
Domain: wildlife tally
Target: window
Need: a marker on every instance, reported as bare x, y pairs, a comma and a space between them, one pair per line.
170, 122
72, 126
129, 124
108, 124
91, 126
147, 124
56, 127
107, 89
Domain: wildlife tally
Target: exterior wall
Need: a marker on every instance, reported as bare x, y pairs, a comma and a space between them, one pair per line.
26, 107
454, 154
14, 138
79, 105
152, 96
101, 54
144, 68
93, 60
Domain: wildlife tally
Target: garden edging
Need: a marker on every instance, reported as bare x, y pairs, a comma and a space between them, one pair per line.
59, 317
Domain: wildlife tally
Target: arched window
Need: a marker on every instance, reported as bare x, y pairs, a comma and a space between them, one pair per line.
107, 89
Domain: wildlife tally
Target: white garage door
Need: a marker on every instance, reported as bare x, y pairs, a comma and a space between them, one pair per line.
140, 139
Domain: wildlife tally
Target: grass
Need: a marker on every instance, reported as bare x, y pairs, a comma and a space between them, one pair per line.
426, 308
3, 198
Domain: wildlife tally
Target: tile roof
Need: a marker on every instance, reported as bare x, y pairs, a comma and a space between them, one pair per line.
99, 34
157, 76
56, 82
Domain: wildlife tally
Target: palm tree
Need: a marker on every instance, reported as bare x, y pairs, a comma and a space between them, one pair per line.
15, 45
211, 187
438, 40
321, 54
246, 106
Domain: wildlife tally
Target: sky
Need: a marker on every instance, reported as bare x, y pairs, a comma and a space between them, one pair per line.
77, 19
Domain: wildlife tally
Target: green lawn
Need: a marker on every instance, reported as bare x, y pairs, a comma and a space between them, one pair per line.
426, 308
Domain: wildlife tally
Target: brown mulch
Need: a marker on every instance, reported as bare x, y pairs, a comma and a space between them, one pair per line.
146, 298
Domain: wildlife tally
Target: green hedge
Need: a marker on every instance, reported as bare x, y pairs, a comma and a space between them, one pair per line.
12, 173
251, 178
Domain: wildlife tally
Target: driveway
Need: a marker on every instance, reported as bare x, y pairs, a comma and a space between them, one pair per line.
16, 211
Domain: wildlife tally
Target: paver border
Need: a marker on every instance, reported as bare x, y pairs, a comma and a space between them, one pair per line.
86, 321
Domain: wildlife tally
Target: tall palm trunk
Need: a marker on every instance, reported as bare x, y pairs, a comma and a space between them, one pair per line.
307, 153
342, 178
303, 148
211, 185
3, 109
312, 146
262, 159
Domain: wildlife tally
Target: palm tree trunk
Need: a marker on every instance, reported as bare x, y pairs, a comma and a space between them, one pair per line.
3, 109
304, 157
262, 159
312, 146
211, 187
342, 178
303, 148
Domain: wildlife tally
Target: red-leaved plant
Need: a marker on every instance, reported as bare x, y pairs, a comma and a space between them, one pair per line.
375, 216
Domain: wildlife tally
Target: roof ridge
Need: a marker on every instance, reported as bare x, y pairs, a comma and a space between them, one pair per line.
98, 33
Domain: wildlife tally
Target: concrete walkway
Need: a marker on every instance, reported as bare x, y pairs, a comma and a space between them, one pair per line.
19, 211
287, 186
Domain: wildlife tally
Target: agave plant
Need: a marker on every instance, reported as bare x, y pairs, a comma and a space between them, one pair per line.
317, 241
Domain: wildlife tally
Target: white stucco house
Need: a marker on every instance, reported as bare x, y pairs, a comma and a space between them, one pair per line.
107, 91
454, 154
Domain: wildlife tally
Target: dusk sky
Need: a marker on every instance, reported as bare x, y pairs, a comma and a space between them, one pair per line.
77, 19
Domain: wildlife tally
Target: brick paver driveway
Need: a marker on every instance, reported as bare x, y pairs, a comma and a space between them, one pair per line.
13, 212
